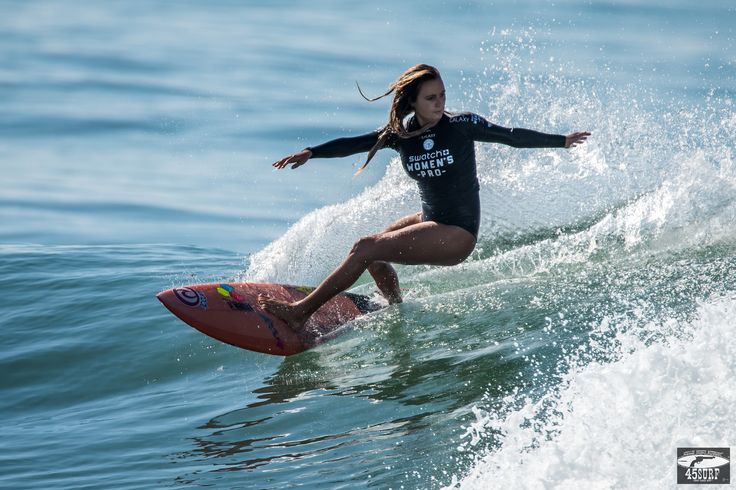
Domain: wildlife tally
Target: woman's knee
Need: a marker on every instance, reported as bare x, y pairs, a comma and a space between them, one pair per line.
364, 249
458, 259
460, 254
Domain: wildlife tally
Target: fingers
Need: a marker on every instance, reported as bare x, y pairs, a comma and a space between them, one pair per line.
577, 138
285, 161
296, 160
280, 163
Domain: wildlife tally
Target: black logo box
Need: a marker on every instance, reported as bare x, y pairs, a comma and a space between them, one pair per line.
698, 465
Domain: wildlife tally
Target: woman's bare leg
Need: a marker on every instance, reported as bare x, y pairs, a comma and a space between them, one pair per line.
383, 273
387, 281
421, 243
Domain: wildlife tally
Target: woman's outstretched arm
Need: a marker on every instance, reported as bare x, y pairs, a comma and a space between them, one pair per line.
482, 130
341, 147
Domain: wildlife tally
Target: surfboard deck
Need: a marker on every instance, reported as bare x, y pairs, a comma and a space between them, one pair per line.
229, 312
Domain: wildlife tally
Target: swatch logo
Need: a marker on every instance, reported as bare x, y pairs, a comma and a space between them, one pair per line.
703, 465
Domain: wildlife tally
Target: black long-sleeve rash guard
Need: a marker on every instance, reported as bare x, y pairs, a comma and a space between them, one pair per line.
442, 161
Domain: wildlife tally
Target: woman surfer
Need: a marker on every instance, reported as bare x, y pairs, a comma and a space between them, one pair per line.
437, 151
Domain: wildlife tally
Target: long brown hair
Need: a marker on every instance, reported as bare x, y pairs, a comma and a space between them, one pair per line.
405, 90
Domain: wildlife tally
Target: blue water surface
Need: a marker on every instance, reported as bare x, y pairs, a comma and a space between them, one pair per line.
135, 147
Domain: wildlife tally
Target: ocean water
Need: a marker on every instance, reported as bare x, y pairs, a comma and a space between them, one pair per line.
588, 336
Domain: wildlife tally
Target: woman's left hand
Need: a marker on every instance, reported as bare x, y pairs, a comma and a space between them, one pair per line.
575, 139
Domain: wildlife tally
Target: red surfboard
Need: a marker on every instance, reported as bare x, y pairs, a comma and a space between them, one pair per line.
230, 313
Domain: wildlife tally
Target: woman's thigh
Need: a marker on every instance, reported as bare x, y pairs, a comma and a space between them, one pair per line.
408, 220
425, 242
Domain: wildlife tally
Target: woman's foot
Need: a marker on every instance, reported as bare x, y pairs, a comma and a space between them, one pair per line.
288, 312
393, 297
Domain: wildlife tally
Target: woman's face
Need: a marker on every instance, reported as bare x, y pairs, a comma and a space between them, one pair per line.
430, 103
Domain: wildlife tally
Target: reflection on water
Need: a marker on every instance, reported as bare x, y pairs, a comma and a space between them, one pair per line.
391, 389
396, 389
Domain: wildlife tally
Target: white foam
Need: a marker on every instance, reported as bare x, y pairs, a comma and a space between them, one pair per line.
618, 424
694, 206
316, 244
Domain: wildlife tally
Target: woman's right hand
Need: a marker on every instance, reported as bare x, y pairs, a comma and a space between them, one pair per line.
296, 160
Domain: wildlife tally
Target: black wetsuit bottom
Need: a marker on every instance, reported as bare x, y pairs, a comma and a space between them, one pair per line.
465, 213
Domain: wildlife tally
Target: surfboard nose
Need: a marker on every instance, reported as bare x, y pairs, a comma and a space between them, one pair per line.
167, 298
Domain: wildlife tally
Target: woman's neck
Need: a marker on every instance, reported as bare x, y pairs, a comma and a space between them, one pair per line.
421, 122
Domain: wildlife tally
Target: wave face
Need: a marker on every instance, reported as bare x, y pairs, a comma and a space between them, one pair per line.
617, 424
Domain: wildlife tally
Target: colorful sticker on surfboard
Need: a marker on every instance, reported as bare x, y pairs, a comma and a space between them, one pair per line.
303, 289
236, 302
228, 292
232, 298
